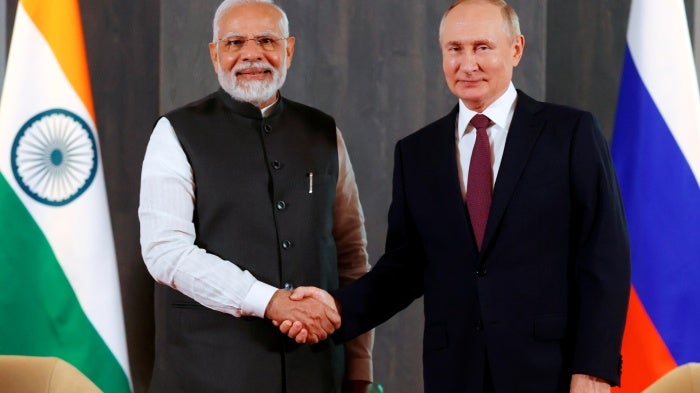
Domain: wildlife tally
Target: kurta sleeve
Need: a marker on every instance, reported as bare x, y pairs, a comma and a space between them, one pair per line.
351, 243
167, 235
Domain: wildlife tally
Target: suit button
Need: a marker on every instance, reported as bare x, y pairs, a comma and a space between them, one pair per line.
268, 129
286, 244
276, 165
281, 205
478, 326
288, 286
481, 272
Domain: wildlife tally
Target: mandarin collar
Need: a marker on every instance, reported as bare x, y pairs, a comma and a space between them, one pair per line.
247, 109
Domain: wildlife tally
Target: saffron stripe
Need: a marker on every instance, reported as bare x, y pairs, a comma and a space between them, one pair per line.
60, 24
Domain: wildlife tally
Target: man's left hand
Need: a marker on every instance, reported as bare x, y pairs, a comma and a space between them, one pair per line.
581, 383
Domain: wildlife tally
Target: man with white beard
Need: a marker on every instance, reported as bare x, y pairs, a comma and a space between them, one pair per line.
245, 194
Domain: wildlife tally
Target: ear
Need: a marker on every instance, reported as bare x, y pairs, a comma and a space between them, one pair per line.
290, 50
214, 54
518, 47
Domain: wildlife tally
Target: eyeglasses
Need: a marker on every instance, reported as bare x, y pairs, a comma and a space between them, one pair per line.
266, 42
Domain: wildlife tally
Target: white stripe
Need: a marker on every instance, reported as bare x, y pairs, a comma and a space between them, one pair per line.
659, 42
79, 233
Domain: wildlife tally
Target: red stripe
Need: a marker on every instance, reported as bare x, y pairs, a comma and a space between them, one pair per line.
645, 355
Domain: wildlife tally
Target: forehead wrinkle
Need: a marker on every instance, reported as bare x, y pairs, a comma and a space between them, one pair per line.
258, 34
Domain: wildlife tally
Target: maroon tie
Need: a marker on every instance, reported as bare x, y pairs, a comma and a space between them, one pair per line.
479, 184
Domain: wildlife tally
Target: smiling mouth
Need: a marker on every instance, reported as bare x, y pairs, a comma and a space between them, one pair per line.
253, 72
469, 83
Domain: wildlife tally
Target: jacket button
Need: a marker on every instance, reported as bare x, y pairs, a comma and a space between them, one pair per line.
281, 205
268, 128
478, 326
481, 272
288, 286
276, 165
286, 244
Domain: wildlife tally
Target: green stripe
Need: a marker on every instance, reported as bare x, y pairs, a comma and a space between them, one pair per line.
40, 312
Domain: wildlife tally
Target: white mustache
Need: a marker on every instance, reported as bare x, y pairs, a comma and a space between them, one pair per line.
253, 65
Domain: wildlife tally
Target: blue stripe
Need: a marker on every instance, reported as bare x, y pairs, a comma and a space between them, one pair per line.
662, 202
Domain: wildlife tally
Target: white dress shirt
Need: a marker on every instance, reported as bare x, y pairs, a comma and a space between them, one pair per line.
501, 114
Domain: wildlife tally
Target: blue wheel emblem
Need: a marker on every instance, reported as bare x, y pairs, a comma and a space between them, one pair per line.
54, 157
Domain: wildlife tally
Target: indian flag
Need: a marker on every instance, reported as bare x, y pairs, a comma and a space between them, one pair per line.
59, 288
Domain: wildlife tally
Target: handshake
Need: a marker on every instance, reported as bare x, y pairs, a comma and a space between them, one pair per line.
307, 314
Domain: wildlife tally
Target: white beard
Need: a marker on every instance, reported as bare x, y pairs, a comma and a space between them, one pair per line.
255, 91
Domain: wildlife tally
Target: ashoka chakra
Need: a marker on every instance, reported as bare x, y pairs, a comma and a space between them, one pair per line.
54, 157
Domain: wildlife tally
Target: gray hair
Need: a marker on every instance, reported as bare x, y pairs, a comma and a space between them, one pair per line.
510, 17
226, 4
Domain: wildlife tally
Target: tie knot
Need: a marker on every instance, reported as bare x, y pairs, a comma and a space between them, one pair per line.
480, 121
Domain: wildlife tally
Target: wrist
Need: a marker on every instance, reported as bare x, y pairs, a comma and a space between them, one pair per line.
271, 309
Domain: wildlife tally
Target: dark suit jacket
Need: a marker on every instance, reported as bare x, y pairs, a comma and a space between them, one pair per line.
546, 297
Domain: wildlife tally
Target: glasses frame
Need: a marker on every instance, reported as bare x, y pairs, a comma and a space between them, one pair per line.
271, 46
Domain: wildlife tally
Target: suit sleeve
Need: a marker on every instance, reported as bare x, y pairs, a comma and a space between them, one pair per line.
601, 255
395, 280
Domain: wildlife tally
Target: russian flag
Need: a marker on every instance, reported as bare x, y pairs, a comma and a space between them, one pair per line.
656, 150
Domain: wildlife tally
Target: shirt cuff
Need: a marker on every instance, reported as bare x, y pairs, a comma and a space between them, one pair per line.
255, 302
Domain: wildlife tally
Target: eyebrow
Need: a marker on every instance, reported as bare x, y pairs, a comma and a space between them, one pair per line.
483, 42
470, 43
454, 43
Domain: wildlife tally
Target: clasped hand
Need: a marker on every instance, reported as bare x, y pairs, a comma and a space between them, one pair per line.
307, 315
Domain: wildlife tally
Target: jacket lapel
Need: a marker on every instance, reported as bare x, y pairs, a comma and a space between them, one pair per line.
522, 135
443, 178
446, 174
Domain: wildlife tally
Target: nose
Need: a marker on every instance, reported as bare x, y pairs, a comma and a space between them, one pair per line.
251, 51
470, 62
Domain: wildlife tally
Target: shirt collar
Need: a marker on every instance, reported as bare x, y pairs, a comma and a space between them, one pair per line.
498, 112
266, 110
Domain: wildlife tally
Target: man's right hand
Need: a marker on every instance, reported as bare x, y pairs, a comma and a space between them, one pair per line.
296, 329
309, 319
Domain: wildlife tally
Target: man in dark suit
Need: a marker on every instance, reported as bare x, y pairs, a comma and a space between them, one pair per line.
526, 279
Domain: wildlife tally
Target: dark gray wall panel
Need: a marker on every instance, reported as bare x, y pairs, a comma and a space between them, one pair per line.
10, 11
531, 74
586, 41
122, 41
3, 41
186, 71
380, 80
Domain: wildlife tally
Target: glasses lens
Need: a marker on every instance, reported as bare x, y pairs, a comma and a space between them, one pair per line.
267, 43
235, 44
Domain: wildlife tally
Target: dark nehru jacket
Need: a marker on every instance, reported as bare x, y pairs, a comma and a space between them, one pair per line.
265, 191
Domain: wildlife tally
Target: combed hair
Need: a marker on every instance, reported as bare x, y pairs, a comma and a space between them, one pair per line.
226, 4
510, 17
